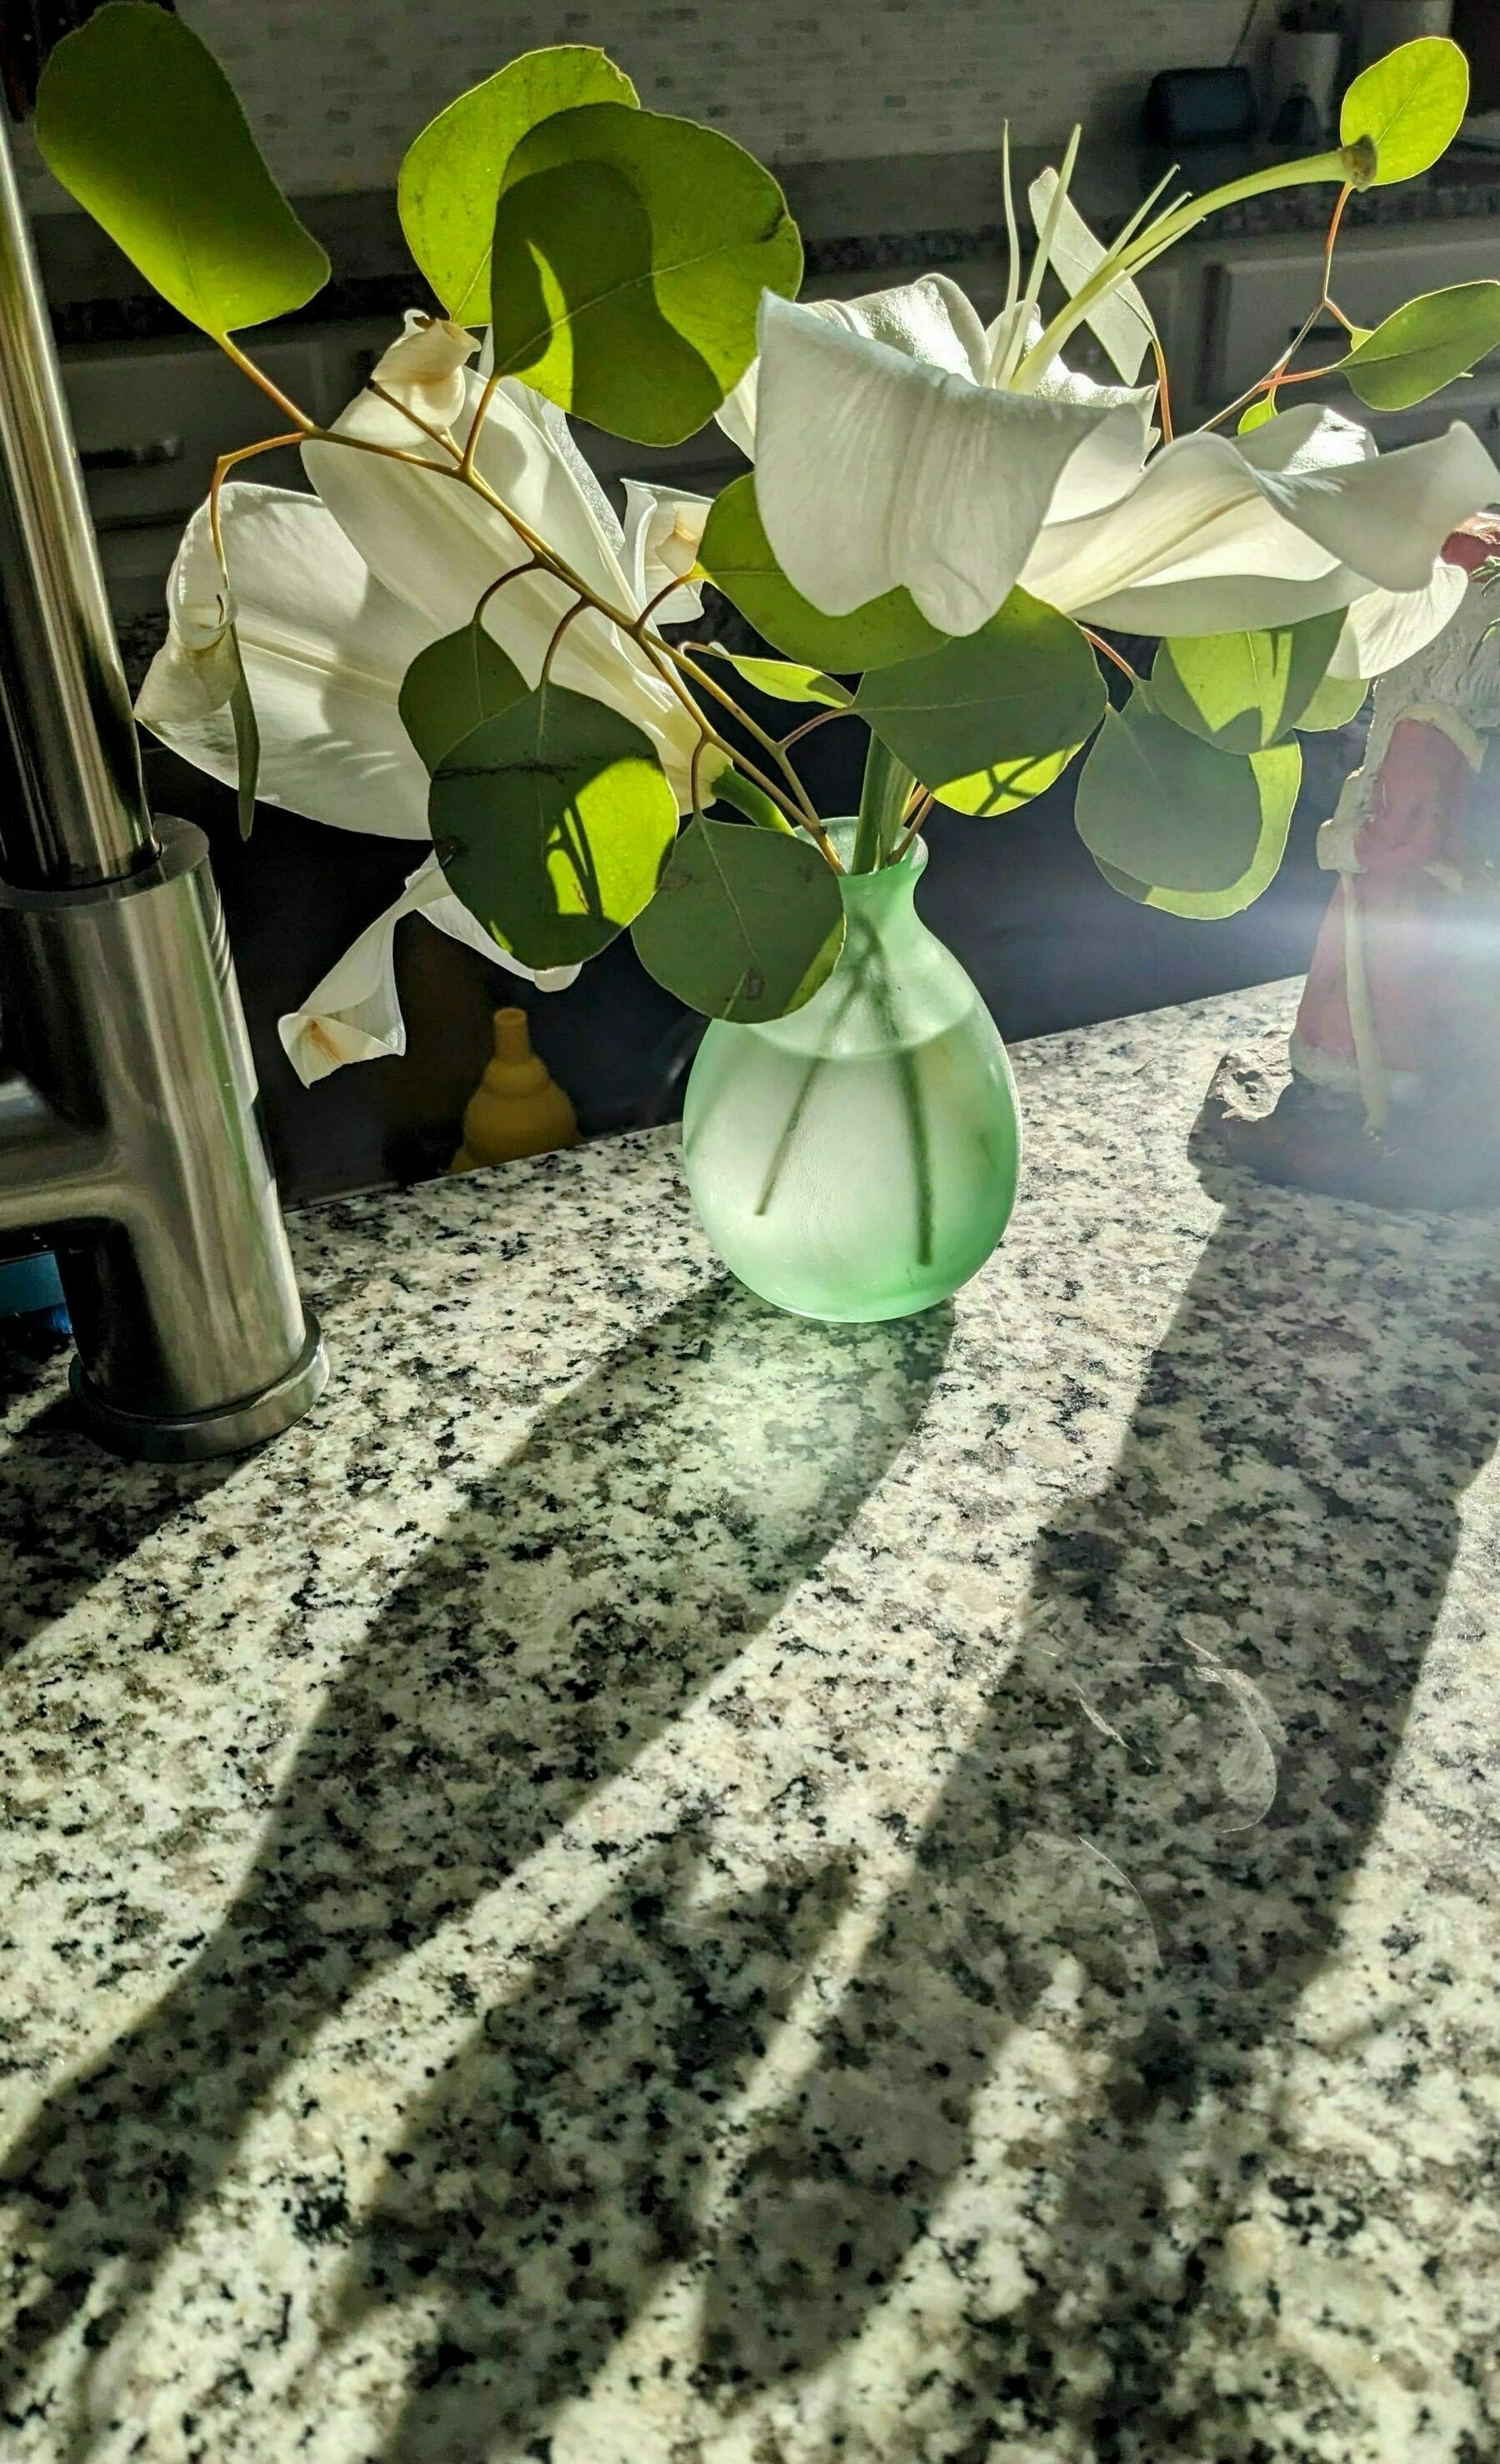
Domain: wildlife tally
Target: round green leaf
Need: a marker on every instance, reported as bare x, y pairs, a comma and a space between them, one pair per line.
452, 686
1409, 106
992, 717
1277, 775
1424, 346
1336, 701
737, 557
629, 255
453, 172
137, 120
551, 824
1242, 692
784, 679
1164, 807
746, 924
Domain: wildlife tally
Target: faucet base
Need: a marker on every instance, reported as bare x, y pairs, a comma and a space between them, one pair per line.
198, 1437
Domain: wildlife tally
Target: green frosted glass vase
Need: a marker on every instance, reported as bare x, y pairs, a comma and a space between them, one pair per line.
859, 1159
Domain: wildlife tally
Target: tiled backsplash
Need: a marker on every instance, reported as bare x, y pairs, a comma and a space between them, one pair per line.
337, 90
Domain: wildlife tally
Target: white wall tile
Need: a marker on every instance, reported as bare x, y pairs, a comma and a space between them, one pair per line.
337, 90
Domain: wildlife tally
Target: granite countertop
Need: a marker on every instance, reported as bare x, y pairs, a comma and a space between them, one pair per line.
659, 1884
901, 213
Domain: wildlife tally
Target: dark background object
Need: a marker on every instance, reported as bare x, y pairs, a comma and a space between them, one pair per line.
1199, 107
1476, 27
27, 32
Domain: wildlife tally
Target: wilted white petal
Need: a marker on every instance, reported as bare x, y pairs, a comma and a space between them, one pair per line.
325, 648
663, 533
1386, 626
1387, 515
1121, 320
425, 368
354, 1014
875, 469
193, 674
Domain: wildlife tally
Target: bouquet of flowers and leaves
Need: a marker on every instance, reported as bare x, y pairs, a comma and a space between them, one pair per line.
456, 638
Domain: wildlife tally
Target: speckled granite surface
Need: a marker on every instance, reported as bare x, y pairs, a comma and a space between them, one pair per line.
660, 1886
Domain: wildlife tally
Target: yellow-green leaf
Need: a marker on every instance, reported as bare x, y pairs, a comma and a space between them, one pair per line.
1164, 807
1277, 775
1336, 701
991, 719
453, 172
1259, 413
1243, 691
738, 555
784, 679
551, 823
137, 120
1409, 106
631, 253
1424, 346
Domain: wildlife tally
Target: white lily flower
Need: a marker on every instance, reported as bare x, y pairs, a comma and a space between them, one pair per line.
886, 455
335, 594
354, 1015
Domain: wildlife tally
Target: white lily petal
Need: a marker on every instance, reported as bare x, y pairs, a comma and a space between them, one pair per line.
1122, 320
663, 533
1386, 626
1387, 516
736, 413
438, 547
875, 470
931, 320
1214, 525
1110, 461
354, 1015
325, 648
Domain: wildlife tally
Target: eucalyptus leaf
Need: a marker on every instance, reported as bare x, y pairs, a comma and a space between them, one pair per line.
630, 252
1336, 701
784, 680
1277, 775
139, 122
1424, 346
551, 823
746, 924
995, 715
1166, 808
1243, 691
1409, 105
452, 174
737, 557
452, 686
247, 738
1258, 414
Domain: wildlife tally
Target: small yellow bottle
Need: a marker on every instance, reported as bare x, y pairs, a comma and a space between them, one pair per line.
517, 1109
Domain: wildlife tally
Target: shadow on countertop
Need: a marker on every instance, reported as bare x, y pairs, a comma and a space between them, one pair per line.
1170, 1801
648, 1527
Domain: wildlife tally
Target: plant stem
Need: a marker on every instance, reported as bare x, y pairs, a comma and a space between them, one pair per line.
1107, 650
746, 797
882, 801
1314, 169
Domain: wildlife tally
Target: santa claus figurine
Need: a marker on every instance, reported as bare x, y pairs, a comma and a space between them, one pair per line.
1395, 1053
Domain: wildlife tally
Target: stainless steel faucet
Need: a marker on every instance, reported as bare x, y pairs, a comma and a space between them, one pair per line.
128, 1129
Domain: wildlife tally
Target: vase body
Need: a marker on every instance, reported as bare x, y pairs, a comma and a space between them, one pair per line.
859, 1159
